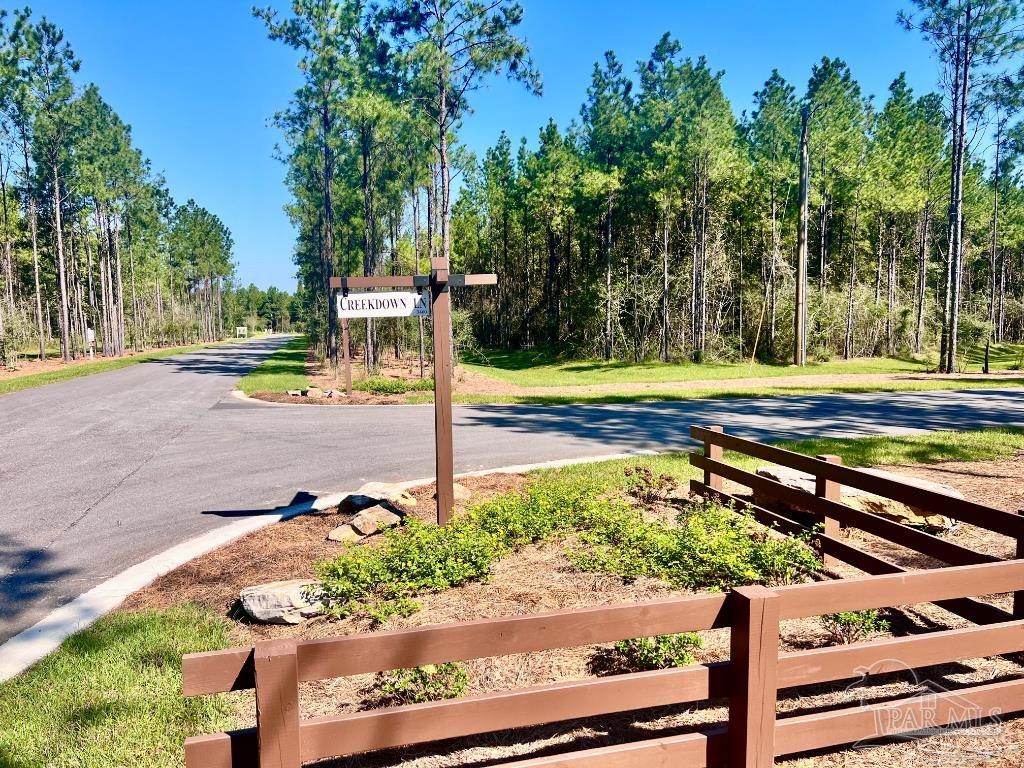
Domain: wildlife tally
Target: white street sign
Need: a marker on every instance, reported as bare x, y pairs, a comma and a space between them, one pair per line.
384, 304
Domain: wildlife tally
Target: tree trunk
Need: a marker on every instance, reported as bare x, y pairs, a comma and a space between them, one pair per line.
800, 307
664, 288
848, 338
34, 230
608, 350
922, 269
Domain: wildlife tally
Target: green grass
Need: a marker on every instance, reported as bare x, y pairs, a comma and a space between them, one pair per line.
111, 695
531, 368
929, 448
726, 391
18, 383
283, 370
1001, 357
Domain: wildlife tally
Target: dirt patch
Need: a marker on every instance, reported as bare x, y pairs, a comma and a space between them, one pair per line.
540, 578
323, 376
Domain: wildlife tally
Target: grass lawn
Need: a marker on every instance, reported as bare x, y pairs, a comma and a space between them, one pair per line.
531, 368
1001, 357
728, 391
111, 695
18, 383
930, 448
283, 370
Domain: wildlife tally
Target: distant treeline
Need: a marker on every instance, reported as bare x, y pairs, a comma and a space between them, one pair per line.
91, 237
661, 223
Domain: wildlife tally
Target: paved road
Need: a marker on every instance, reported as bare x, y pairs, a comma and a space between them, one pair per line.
102, 472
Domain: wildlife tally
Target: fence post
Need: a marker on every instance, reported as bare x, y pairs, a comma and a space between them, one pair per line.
830, 490
1018, 597
277, 703
753, 659
713, 452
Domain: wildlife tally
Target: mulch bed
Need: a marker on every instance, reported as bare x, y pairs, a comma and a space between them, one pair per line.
540, 578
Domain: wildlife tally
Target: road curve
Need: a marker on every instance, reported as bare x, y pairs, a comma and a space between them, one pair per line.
102, 472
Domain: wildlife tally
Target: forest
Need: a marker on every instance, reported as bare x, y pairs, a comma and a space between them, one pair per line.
662, 224
92, 239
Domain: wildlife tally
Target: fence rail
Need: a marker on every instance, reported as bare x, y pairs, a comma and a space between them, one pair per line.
749, 680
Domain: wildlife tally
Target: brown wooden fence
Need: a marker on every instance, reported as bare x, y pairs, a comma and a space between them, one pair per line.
750, 680
830, 475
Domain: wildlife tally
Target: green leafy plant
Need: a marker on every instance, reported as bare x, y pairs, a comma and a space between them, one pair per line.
431, 682
709, 547
646, 487
661, 652
379, 582
852, 626
385, 385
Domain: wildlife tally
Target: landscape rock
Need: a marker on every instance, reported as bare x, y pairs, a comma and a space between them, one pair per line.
869, 502
356, 502
345, 534
280, 602
295, 392
388, 492
374, 519
462, 493
314, 392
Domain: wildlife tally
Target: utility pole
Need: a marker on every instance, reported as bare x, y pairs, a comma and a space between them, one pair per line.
800, 310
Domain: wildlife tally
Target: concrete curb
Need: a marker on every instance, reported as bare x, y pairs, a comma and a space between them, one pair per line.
44, 637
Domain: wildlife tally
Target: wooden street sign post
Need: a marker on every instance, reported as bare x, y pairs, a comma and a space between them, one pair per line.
438, 282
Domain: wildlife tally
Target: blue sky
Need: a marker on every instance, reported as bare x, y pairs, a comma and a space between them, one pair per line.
198, 81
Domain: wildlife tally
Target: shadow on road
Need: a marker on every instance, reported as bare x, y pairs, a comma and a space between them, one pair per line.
666, 425
301, 497
242, 358
28, 573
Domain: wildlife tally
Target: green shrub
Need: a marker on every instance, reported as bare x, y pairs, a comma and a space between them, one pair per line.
385, 385
851, 626
379, 582
646, 487
661, 652
711, 547
432, 682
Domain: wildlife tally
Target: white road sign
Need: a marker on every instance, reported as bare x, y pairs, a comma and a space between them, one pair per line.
384, 304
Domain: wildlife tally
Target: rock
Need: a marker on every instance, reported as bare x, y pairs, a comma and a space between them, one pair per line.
374, 519
295, 392
356, 502
280, 602
314, 392
388, 492
346, 534
869, 502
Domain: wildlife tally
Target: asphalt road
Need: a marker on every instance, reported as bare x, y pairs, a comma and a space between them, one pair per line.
102, 472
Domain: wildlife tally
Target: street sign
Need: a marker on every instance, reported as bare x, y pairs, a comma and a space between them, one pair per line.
385, 304
438, 304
